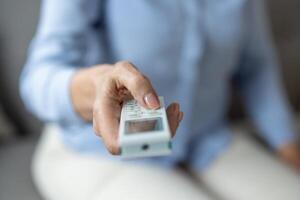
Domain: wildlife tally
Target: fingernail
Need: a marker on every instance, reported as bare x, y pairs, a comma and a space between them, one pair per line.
151, 100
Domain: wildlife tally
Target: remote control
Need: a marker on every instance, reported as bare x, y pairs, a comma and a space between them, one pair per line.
144, 132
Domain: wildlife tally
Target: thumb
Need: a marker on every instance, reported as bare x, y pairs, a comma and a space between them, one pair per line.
138, 85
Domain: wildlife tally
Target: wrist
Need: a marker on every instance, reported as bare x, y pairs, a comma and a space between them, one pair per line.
82, 94
83, 89
287, 148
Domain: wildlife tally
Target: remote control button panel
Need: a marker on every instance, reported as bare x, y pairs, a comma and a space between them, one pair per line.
133, 110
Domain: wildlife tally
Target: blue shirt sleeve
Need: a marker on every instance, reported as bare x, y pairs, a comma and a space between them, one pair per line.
56, 52
260, 82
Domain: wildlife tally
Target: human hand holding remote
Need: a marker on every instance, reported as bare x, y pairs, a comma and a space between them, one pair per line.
98, 92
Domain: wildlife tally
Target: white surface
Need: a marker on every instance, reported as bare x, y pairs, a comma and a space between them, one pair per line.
61, 174
15, 177
244, 172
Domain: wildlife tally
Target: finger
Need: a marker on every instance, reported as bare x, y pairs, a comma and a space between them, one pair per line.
106, 122
126, 96
173, 114
139, 86
181, 116
295, 163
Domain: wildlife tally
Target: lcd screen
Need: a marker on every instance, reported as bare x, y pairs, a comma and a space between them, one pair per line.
143, 125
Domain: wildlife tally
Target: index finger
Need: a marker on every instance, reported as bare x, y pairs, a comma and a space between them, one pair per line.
106, 122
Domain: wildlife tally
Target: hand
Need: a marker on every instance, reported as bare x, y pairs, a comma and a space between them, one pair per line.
98, 92
290, 153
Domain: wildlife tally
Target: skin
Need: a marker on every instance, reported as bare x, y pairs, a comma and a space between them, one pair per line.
290, 154
98, 93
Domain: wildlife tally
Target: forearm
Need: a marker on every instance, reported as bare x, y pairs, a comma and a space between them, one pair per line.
58, 49
268, 106
260, 80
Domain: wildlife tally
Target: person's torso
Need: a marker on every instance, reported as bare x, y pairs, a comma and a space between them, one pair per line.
188, 49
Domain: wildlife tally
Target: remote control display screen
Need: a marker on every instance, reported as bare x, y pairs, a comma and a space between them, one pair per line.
143, 125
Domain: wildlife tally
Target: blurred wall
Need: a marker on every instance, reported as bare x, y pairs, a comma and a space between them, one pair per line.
18, 19
285, 18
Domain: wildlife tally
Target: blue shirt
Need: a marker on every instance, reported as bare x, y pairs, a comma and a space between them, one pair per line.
191, 51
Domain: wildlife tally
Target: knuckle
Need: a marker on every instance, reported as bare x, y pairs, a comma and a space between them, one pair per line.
107, 86
124, 65
146, 81
108, 79
138, 80
146, 78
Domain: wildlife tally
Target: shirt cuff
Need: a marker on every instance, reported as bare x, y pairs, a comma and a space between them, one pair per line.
280, 140
281, 137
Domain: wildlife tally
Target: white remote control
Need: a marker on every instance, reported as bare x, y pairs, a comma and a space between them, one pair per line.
144, 132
